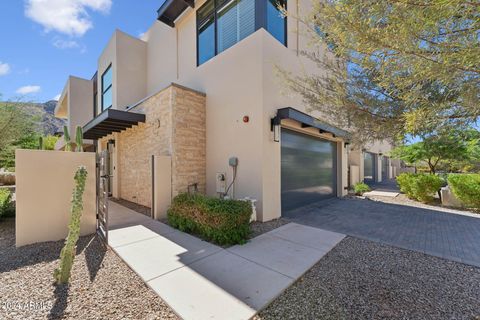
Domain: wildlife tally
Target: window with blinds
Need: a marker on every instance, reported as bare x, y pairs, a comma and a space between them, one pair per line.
235, 21
223, 23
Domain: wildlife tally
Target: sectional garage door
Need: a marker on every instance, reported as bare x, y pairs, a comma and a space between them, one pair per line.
308, 169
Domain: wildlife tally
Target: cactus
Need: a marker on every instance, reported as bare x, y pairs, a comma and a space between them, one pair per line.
66, 138
79, 139
41, 145
67, 255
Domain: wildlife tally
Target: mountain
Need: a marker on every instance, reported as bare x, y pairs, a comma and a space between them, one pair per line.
43, 114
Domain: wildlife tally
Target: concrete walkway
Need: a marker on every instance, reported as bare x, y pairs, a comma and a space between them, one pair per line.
199, 280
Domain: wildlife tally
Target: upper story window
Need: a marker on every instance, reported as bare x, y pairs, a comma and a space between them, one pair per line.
222, 23
107, 88
276, 20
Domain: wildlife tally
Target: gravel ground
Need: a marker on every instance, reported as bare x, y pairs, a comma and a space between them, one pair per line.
102, 286
402, 199
259, 228
360, 279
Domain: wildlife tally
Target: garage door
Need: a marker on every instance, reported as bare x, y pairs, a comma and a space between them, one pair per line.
385, 168
308, 169
369, 168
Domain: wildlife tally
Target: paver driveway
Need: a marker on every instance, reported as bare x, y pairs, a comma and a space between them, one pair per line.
450, 236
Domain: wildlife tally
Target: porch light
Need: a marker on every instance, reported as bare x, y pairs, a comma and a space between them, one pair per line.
275, 127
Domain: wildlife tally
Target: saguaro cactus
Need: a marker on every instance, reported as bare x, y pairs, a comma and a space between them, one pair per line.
67, 255
66, 138
79, 139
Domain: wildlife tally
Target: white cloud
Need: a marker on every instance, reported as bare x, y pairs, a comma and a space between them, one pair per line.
28, 89
65, 44
65, 16
57, 97
4, 68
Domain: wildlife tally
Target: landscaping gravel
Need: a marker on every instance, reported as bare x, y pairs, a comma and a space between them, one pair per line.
257, 228
402, 199
360, 279
102, 286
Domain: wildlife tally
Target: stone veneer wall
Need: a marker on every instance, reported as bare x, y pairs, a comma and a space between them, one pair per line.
175, 126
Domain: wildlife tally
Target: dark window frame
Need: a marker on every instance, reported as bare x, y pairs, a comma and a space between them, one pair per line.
260, 22
106, 89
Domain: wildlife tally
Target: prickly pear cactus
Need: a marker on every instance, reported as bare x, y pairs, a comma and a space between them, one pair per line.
67, 255
79, 139
66, 138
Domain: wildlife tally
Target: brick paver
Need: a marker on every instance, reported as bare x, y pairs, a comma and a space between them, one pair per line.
450, 236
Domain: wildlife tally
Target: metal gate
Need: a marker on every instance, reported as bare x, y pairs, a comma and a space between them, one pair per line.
103, 178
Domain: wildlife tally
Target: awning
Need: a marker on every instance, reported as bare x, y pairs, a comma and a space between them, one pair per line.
308, 121
109, 121
172, 9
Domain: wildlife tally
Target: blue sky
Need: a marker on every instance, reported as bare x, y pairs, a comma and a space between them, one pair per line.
45, 41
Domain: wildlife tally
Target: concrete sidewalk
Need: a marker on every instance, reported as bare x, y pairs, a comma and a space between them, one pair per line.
203, 281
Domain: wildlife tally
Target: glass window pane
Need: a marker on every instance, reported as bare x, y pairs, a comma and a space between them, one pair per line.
235, 21
107, 79
107, 99
206, 40
206, 10
276, 20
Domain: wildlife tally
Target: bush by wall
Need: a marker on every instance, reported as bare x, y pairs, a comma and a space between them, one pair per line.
224, 222
421, 187
360, 188
466, 187
7, 208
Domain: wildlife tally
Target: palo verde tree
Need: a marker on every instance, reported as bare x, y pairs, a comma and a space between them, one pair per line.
393, 66
449, 150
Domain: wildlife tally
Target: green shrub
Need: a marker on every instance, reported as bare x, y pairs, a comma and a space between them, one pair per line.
466, 187
7, 209
419, 186
360, 188
224, 222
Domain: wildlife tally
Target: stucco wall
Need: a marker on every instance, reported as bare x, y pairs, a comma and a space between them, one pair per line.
44, 191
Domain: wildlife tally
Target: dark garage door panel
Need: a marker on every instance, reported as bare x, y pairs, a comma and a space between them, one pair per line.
308, 169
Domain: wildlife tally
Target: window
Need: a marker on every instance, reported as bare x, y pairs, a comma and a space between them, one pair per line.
235, 21
107, 88
276, 21
206, 32
223, 23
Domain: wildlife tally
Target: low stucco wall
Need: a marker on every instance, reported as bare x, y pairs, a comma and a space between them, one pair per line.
44, 191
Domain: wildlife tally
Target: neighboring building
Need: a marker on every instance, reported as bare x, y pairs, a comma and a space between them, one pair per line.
199, 89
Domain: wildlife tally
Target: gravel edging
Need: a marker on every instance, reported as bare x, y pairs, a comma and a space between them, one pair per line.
258, 228
361, 279
402, 199
102, 285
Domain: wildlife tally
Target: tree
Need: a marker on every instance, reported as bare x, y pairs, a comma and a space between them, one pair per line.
399, 66
14, 124
450, 150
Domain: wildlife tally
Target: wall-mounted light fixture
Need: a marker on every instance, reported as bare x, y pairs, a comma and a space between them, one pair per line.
275, 127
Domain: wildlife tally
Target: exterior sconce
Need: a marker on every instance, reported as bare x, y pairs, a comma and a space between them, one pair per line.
275, 128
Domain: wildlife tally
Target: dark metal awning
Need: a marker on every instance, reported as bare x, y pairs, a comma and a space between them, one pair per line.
172, 9
309, 121
110, 121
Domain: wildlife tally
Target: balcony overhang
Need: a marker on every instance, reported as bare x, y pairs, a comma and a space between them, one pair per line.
307, 121
172, 9
110, 121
